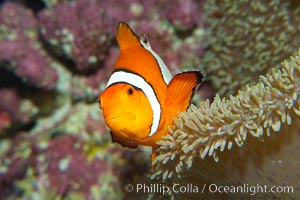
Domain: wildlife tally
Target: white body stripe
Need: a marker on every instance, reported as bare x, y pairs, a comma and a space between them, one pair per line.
166, 74
139, 82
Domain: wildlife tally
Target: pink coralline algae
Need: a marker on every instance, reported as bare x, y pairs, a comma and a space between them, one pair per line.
27, 63
54, 62
67, 166
84, 36
87, 87
13, 166
15, 111
168, 43
21, 52
185, 14
17, 22
80, 35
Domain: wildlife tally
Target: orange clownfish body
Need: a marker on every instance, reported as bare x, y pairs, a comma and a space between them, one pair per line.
142, 97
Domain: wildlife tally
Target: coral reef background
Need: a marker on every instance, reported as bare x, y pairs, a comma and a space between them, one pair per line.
56, 57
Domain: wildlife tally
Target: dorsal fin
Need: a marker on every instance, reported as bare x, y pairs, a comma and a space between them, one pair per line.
126, 37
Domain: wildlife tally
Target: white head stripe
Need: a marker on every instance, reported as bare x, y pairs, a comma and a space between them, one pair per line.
139, 82
166, 74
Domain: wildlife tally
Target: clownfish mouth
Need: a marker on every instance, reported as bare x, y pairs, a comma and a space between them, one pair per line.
123, 116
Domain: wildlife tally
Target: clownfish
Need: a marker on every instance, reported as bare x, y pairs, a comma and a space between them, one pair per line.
142, 98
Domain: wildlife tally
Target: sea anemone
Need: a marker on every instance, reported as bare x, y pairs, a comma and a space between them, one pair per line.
246, 39
239, 134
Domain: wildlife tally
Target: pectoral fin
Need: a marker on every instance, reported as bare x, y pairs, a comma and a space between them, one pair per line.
181, 89
123, 142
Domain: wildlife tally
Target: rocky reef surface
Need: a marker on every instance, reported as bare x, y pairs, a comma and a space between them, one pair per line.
55, 59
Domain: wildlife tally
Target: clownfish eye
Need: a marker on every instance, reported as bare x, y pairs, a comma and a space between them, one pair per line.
130, 91
99, 103
144, 40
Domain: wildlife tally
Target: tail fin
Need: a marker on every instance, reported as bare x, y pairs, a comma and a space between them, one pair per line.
182, 87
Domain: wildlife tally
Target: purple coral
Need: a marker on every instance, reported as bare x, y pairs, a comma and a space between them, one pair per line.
20, 51
67, 166
175, 52
183, 13
12, 115
17, 22
83, 31
85, 35
13, 167
88, 87
81, 35
27, 63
